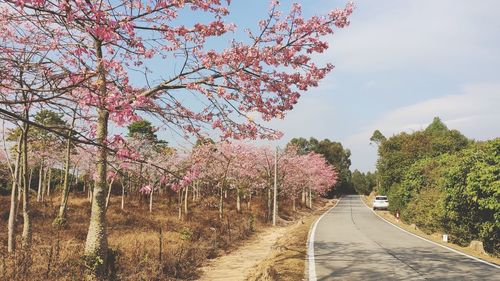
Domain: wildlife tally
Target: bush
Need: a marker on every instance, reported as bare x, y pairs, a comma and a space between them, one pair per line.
426, 210
472, 187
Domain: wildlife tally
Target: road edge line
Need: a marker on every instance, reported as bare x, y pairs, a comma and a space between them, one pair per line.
430, 241
311, 266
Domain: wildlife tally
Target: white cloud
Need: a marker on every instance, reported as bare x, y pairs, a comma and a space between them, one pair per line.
313, 116
475, 112
390, 35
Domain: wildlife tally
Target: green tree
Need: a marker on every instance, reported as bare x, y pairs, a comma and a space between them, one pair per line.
437, 126
472, 195
377, 137
360, 182
334, 153
142, 129
303, 145
372, 179
203, 141
400, 151
441, 181
40, 139
42, 142
419, 196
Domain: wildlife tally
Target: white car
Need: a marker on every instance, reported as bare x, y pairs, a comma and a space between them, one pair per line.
380, 203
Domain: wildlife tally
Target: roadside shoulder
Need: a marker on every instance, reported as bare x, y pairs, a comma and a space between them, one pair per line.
433, 238
288, 258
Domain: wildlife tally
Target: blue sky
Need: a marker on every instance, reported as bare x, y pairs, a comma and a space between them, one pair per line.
398, 64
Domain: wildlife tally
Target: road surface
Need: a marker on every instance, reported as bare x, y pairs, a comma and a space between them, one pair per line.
352, 243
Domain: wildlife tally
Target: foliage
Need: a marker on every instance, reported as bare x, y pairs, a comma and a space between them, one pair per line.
437, 126
334, 153
42, 141
142, 129
441, 181
363, 183
377, 137
426, 210
399, 152
472, 200
4, 176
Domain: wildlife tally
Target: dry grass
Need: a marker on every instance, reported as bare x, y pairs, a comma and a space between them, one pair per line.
435, 237
144, 246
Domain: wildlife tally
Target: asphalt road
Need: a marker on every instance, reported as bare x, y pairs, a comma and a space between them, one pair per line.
352, 243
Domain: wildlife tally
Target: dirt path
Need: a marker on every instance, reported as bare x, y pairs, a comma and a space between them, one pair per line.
281, 248
237, 265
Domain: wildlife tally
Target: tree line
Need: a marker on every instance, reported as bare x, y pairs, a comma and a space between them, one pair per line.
147, 169
443, 182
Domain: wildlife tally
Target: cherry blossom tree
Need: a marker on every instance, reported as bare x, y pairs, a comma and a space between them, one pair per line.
91, 47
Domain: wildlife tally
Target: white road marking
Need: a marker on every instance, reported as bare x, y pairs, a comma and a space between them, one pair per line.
422, 238
310, 247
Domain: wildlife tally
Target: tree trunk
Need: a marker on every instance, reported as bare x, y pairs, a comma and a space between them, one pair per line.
96, 245
60, 220
20, 183
123, 195
44, 186
40, 182
238, 200
198, 197
11, 243
151, 199
140, 175
30, 177
306, 196
180, 203
26, 236
49, 181
75, 174
275, 188
221, 203
108, 196
303, 197
269, 205
293, 204
193, 195
310, 198
91, 193
186, 202
249, 200
20, 186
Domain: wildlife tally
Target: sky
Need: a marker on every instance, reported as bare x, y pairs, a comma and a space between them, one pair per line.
398, 65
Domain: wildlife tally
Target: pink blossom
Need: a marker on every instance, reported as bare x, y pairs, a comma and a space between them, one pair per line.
146, 189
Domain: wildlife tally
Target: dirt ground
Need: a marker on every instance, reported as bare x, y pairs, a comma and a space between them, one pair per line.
276, 253
150, 246
144, 245
236, 265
